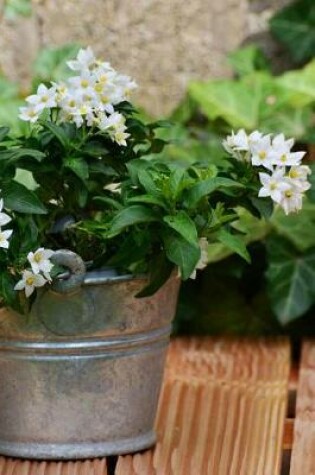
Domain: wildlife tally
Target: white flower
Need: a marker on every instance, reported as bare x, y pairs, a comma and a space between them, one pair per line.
120, 137
300, 172
40, 262
203, 261
44, 98
235, 143
85, 60
4, 238
292, 200
29, 282
298, 177
30, 113
281, 154
273, 185
260, 150
4, 218
113, 121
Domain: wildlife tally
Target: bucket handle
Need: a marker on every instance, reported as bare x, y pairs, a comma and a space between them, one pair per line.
74, 263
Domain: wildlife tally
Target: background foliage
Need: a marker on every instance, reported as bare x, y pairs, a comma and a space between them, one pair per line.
276, 293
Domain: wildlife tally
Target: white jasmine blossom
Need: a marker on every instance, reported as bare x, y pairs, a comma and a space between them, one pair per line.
88, 98
29, 282
261, 152
4, 238
292, 200
4, 218
85, 60
44, 98
203, 261
273, 185
30, 113
40, 261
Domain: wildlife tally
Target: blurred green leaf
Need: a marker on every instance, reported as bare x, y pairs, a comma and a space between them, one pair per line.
297, 228
291, 279
247, 60
294, 26
50, 64
13, 8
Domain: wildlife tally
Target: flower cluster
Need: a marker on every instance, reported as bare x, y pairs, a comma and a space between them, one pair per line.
87, 98
4, 234
39, 274
284, 178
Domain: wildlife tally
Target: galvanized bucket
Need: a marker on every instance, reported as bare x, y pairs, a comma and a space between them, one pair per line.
80, 377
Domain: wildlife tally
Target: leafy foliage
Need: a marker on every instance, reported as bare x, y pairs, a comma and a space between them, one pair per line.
294, 26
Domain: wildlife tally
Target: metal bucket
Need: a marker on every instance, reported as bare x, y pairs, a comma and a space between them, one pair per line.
80, 377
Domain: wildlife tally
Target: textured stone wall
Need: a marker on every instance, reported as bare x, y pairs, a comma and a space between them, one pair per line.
161, 43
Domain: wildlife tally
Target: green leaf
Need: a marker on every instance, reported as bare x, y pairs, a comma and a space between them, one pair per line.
231, 100
148, 199
182, 253
130, 216
247, 60
264, 206
294, 26
147, 182
291, 280
14, 155
14, 8
233, 242
160, 271
78, 166
58, 131
299, 85
299, 228
108, 201
4, 132
18, 198
206, 187
50, 64
184, 225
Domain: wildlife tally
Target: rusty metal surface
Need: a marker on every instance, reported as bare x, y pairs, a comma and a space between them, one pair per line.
81, 377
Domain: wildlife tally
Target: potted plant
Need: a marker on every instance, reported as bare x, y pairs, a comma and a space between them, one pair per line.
96, 232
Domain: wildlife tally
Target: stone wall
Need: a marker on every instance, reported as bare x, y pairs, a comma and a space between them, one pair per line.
161, 43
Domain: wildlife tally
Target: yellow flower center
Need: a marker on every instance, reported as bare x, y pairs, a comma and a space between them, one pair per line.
72, 103
38, 257
273, 186
44, 99
288, 193
30, 281
294, 174
104, 100
262, 154
98, 87
84, 83
32, 113
283, 158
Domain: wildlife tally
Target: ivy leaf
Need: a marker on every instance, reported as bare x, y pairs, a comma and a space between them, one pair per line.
78, 166
182, 253
130, 216
184, 225
294, 26
291, 280
235, 243
18, 198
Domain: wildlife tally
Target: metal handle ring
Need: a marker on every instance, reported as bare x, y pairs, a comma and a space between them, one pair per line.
76, 266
